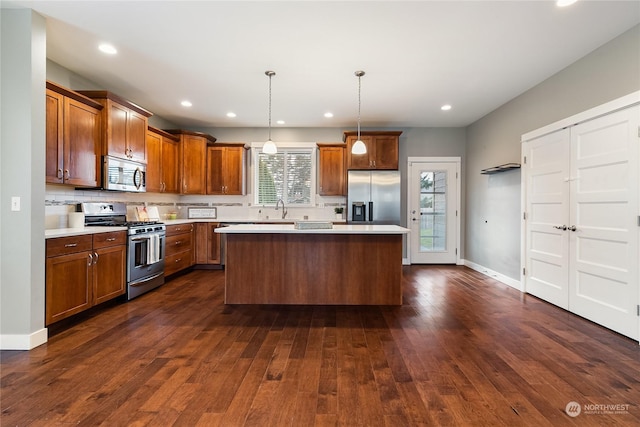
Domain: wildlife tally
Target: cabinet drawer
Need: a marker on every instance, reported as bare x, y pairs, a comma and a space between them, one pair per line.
178, 243
179, 228
177, 261
68, 245
104, 240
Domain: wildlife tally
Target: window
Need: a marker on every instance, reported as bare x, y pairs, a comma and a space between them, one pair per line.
286, 175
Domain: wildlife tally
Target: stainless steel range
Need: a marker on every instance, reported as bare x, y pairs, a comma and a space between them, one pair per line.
146, 243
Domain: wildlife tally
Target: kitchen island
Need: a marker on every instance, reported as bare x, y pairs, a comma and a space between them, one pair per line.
343, 265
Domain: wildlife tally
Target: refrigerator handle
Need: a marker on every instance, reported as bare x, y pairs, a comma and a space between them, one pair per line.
370, 211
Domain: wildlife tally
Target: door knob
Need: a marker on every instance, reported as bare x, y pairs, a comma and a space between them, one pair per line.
561, 227
572, 228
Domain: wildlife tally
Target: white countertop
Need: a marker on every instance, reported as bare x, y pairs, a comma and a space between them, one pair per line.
289, 228
66, 232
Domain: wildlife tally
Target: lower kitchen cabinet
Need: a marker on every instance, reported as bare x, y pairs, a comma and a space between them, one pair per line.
109, 266
83, 271
207, 243
179, 253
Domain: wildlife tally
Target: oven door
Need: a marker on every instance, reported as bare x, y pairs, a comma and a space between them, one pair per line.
146, 256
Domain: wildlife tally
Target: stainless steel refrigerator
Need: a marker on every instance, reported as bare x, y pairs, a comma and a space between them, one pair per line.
373, 197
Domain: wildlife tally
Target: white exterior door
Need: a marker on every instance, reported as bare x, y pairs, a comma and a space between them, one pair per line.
581, 229
433, 211
547, 188
603, 234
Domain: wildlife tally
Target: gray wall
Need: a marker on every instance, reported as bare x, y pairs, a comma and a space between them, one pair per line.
67, 78
22, 151
493, 202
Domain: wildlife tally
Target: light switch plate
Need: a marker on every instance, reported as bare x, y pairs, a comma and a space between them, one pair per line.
15, 204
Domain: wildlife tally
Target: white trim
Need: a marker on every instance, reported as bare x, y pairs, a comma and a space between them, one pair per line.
23, 342
458, 162
600, 110
515, 284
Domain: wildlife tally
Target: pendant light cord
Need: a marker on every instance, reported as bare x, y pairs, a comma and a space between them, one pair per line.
270, 74
359, 87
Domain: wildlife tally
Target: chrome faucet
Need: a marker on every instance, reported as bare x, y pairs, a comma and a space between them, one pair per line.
284, 211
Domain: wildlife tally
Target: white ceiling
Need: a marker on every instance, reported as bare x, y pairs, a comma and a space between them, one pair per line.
418, 55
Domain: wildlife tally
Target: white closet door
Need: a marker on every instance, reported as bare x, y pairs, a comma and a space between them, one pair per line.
603, 271
547, 192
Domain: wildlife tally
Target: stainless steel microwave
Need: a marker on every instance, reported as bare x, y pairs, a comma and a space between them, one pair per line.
123, 175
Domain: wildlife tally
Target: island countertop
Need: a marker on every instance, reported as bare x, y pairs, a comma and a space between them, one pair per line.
290, 229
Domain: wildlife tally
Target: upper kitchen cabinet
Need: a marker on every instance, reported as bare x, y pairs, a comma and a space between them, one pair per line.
331, 169
382, 150
73, 140
163, 152
226, 169
193, 160
124, 126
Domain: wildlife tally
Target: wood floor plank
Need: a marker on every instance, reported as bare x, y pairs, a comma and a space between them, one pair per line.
463, 349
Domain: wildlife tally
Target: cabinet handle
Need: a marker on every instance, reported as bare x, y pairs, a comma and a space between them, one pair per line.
95, 261
66, 174
70, 245
111, 239
90, 259
59, 175
177, 242
178, 260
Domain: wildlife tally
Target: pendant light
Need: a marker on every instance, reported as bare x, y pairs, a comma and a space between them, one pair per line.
269, 147
359, 147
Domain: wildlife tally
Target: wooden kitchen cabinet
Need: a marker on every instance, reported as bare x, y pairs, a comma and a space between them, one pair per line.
331, 170
179, 248
124, 126
83, 271
382, 150
73, 143
109, 266
163, 152
193, 160
226, 169
207, 243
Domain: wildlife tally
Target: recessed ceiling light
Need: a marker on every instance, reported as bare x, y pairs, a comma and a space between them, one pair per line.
446, 107
564, 3
231, 114
328, 115
280, 122
107, 48
186, 104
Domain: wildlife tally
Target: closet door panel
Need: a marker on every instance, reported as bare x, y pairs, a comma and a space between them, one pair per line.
547, 172
603, 273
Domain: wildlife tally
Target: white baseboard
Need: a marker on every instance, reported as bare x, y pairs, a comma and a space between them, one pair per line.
516, 284
23, 342
406, 261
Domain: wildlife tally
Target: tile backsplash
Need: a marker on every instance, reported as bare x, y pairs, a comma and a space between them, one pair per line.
60, 200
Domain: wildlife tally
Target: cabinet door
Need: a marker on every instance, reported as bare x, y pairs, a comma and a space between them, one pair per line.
385, 152
360, 161
215, 166
136, 136
169, 164
207, 243
234, 170
68, 285
193, 164
109, 278
81, 144
331, 171
54, 135
117, 130
154, 165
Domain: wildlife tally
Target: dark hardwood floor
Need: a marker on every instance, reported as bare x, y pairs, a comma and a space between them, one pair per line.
463, 350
